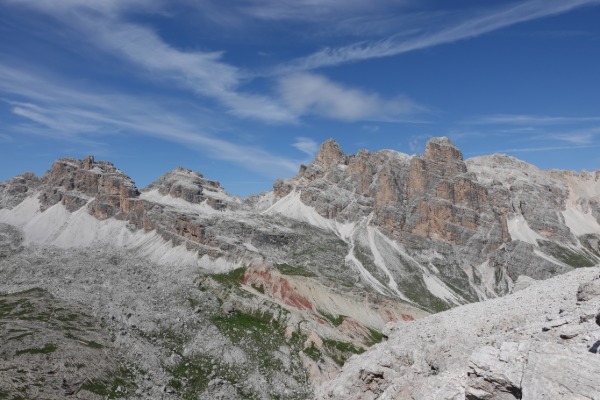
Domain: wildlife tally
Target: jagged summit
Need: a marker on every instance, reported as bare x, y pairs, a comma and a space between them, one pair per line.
74, 183
442, 149
330, 153
191, 186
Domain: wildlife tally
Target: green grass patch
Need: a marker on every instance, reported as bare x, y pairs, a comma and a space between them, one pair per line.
340, 352
240, 325
21, 336
94, 345
287, 269
47, 349
232, 278
124, 378
570, 257
197, 371
416, 290
67, 318
376, 337
260, 335
193, 303
259, 289
16, 308
313, 353
592, 243
336, 320
89, 343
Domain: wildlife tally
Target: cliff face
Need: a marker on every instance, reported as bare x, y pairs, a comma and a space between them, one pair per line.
489, 219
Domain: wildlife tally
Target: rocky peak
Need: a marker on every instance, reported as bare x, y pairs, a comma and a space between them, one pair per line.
74, 182
442, 149
330, 153
190, 186
15, 190
88, 162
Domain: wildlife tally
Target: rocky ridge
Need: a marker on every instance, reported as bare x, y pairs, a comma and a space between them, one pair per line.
351, 243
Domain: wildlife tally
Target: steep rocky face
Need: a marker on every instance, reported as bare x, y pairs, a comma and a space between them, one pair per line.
73, 183
431, 229
490, 219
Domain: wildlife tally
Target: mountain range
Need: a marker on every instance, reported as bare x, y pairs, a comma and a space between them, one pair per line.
187, 291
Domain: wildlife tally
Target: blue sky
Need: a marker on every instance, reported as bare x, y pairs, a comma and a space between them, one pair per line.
245, 90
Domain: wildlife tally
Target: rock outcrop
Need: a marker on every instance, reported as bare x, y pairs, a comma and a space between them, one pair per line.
75, 183
15, 190
191, 186
535, 344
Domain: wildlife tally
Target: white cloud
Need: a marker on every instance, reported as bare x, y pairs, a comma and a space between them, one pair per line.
310, 10
69, 113
459, 27
544, 149
103, 25
311, 94
575, 138
523, 119
306, 145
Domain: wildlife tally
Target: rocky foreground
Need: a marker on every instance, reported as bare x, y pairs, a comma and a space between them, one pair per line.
538, 343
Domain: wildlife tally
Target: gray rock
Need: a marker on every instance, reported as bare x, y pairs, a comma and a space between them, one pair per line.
490, 350
228, 308
523, 282
588, 290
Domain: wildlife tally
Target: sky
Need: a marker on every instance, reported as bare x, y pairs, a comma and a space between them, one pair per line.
244, 91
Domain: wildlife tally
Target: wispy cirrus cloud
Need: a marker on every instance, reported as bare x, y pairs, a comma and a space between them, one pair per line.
64, 112
306, 145
105, 26
311, 94
457, 27
544, 149
524, 119
577, 138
